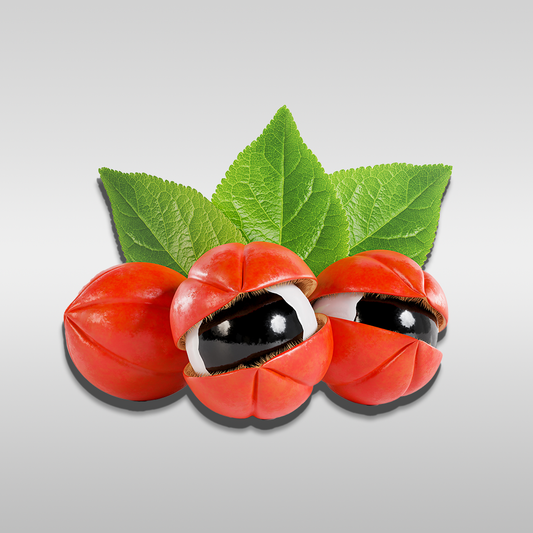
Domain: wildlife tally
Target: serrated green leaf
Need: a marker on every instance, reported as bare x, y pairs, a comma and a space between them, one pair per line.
277, 191
162, 222
393, 207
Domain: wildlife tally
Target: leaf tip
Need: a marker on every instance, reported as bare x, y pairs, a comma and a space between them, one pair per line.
283, 113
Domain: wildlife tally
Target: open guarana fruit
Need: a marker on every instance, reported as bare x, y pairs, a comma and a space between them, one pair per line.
386, 313
255, 345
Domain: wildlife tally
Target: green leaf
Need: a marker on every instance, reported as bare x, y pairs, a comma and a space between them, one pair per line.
277, 191
162, 222
393, 207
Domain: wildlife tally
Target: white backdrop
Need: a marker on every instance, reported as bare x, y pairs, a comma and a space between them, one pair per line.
177, 90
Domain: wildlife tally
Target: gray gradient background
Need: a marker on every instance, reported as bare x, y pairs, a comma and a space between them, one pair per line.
177, 90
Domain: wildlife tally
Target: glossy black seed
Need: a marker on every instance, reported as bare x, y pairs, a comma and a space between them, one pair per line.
399, 316
247, 331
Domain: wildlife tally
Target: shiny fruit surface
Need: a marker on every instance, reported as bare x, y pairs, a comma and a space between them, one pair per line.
273, 389
118, 332
372, 365
226, 289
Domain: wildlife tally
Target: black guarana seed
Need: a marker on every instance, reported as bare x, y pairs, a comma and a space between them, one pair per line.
247, 331
399, 316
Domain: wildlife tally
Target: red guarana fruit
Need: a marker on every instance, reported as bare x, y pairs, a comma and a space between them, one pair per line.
118, 332
385, 313
256, 348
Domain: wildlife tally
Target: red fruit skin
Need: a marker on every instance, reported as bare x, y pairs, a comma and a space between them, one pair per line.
284, 382
223, 272
372, 366
118, 332
276, 388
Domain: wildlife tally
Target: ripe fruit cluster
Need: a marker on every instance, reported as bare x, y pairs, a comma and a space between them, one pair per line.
251, 330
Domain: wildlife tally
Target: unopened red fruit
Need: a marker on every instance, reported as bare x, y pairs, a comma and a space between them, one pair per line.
118, 332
